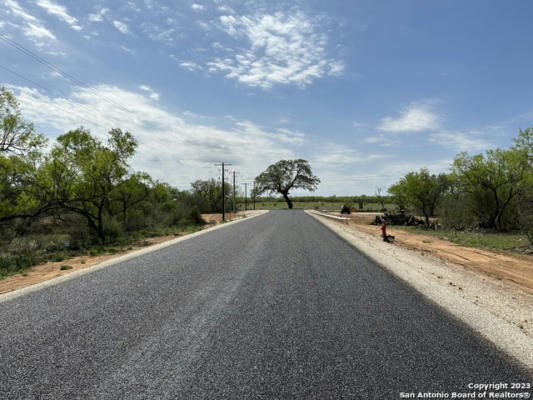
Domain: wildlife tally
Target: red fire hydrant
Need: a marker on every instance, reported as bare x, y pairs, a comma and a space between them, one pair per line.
386, 238
383, 230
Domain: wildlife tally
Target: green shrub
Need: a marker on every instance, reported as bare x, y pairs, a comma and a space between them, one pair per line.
10, 264
80, 237
65, 267
112, 230
59, 256
22, 245
196, 217
7, 264
455, 213
54, 242
135, 220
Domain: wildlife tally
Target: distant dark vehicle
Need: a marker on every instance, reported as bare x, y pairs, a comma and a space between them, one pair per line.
345, 209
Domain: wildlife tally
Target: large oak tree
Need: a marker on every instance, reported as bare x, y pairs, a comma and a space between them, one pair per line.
284, 176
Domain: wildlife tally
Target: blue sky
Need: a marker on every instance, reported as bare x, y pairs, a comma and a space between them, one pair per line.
365, 90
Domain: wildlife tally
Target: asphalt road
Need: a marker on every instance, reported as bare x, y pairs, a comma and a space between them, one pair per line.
275, 307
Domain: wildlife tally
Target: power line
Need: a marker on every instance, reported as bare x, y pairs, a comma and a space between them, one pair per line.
65, 110
66, 75
48, 90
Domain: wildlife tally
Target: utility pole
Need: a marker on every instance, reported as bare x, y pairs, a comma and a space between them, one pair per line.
233, 192
223, 191
254, 195
245, 192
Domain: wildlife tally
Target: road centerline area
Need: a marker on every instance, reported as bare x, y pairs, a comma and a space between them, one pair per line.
275, 307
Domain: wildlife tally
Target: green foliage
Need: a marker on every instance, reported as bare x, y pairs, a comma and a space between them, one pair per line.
455, 212
16, 135
524, 147
207, 196
492, 183
80, 193
12, 263
59, 256
491, 191
83, 175
284, 176
421, 191
361, 200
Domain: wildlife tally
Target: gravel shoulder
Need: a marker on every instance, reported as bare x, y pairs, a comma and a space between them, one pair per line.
498, 309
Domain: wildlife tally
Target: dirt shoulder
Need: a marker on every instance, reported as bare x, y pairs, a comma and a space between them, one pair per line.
478, 287
50, 270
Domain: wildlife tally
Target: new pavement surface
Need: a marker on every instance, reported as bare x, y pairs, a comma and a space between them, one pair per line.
274, 307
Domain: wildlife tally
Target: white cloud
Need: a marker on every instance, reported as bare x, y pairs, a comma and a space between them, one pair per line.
99, 16
380, 139
32, 28
38, 31
338, 155
190, 65
461, 141
336, 68
121, 26
203, 25
282, 49
226, 9
133, 6
127, 50
290, 136
198, 7
160, 33
18, 11
366, 177
281, 134
153, 95
59, 11
413, 119
167, 143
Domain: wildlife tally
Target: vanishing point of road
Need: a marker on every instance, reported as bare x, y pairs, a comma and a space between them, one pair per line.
275, 307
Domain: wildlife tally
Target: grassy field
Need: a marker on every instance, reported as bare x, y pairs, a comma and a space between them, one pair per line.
316, 205
513, 242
